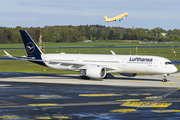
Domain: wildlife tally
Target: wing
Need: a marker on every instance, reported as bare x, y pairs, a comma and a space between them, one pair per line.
34, 59
75, 64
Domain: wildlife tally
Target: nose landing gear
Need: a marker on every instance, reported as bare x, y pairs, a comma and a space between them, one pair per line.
165, 79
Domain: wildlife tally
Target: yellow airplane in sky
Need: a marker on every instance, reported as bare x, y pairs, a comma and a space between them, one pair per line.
119, 17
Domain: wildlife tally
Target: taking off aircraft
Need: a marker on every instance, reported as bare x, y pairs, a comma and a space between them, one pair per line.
119, 17
96, 66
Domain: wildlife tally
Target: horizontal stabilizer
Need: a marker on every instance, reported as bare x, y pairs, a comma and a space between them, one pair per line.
19, 58
8, 54
113, 52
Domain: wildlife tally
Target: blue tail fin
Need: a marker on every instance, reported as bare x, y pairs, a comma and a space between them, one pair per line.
31, 48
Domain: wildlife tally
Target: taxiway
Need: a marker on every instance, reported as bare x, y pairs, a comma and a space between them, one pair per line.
52, 96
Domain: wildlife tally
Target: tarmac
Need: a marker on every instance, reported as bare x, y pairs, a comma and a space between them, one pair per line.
51, 96
115, 80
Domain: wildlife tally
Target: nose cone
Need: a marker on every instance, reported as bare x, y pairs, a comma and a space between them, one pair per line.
174, 69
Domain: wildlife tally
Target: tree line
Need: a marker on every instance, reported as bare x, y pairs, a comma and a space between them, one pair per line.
88, 32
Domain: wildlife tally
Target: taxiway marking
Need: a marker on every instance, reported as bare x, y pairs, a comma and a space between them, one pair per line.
43, 104
145, 94
44, 118
165, 111
134, 94
53, 117
9, 117
108, 94
153, 97
167, 83
136, 81
43, 96
41, 76
98, 95
146, 104
123, 110
129, 100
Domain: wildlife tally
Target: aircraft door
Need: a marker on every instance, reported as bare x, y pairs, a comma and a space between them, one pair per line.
155, 63
77, 59
124, 62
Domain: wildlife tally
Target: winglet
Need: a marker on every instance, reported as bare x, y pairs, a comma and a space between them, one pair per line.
113, 52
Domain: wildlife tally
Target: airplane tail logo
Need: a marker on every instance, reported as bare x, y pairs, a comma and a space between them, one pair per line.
31, 48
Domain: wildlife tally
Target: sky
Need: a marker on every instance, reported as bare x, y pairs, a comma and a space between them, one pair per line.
147, 14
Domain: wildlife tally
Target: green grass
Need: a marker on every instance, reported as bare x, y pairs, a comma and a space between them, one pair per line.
25, 66
28, 67
98, 44
11, 45
163, 52
92, 44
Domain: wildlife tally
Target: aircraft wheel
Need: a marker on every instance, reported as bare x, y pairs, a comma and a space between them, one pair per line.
164, 80
80, 77
84, 77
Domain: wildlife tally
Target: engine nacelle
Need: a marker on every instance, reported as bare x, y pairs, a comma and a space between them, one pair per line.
129, 74
96, 72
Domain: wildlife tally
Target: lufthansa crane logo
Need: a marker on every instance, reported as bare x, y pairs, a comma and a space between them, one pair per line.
30, 47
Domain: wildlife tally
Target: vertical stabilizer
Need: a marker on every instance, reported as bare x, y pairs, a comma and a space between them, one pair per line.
31, 48
106, 18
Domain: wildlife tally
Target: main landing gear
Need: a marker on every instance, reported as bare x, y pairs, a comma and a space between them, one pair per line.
84, 77
165, 79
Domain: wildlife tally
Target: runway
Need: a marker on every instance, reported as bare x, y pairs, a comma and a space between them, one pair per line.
52, 96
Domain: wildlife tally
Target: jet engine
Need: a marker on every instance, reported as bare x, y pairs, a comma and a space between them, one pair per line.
129, 74
96, 72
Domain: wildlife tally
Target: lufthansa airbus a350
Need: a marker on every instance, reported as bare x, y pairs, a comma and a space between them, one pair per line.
96, 66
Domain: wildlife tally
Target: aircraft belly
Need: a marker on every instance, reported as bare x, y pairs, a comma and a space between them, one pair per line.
136, 68
142, 68
62, 67
159, 70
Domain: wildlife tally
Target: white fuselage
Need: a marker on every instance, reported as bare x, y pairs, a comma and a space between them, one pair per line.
116, 63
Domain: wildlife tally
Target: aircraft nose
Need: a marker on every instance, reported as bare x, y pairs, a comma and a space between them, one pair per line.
174, 69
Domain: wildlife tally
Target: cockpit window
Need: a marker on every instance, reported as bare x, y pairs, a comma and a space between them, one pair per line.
167, 63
